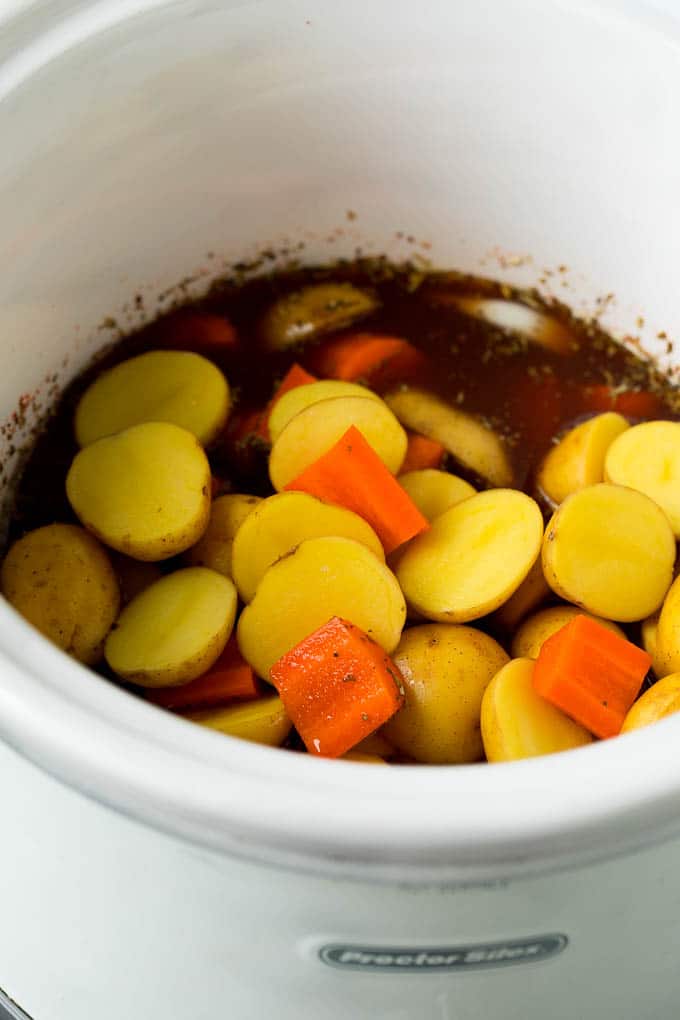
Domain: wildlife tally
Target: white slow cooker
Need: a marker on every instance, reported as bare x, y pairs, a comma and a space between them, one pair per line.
150, 869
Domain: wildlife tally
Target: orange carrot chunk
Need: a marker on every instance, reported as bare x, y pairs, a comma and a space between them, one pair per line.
230, 678
592, 674
422, 453
351, 474
294, 377
338, 686
203, 332
380, 361
631, 403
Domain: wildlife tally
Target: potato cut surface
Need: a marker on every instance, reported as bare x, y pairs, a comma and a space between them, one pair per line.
647, 458
434, 491
264, 721
578, 459
214, 548
297, 399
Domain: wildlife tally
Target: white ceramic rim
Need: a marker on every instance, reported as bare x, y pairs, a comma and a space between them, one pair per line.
455, 824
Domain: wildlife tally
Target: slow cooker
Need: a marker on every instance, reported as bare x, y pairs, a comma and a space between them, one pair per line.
158, 871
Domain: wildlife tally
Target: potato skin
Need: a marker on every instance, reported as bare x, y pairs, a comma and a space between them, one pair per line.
264, 721
446, 669
61, 580
174, 630
666, 655
312, 311
214, 548
660, 701
434, 492
144, 492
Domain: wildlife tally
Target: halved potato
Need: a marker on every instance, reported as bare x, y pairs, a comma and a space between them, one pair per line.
470, 441
297, 399
214, 548
533, 590
144, 491
666, 654
659, 701
647, 458
530, 637
518, 723
474, 556
313, 311
324, 577
264, 721
174, 386
648, 630
515, 317
315, 430
280, 523
61, 580
578, 459
446, 669
610, 551
174, 630
434, 491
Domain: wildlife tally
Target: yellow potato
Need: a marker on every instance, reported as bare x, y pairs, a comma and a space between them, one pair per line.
264, 721
610, 551
280, 523
175, 630
134, 576
313, 311
528, 640
297, 399
667, 652
315, 430
144, 491
515, 317
647, 458
578, 459
375, 744
648, 630
366, 759
324, 577
473, 444
61, 580
214, 549
446, 669
658, 702
434, 491
175, 386
533, 590
474, 556
518, 723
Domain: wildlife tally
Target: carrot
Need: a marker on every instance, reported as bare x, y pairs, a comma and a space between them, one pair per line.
380, 361
203, 332
422, 453
631, 403
294, 377
228, 679
351, 474
592, 674
338, 686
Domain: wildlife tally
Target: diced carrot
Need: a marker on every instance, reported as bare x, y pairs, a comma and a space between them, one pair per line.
632, 403
422, 453
228, 679
351, 474
337, 685
592, 674
203, 332
380, 361
294, 377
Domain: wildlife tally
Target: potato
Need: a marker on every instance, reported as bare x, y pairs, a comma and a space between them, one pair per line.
434, 491
658, 702
474, 556
365, 759
533, 590
610, 551
647, 458
446, 669
61, 580
515, 317
667, 652
324, 577
264, 721
134, 576
144, 491
528, 640
175, 630
277, 527
312, 311
648, 630
472, 443
315, 430
578, 459
518, 723
297, 399
214, 549
375, 744
179, 387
